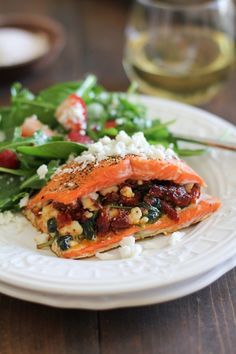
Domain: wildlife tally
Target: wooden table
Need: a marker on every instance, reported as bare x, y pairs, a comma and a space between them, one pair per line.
202, 323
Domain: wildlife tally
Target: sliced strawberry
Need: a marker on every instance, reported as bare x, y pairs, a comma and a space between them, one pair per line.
72, 113
110, 124
78, 137
32, 125
75, 99
8, 159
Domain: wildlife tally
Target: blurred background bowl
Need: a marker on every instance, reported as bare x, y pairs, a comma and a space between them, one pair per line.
54, 32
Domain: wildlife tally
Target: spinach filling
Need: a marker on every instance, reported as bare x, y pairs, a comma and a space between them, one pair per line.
131, 203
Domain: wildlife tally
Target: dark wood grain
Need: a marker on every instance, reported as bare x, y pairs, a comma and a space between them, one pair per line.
202, 323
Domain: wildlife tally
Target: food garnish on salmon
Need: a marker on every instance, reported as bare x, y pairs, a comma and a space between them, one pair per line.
118, 187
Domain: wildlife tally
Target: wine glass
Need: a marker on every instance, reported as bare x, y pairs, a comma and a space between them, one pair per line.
181, 49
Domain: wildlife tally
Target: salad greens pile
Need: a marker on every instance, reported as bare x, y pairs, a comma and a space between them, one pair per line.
107, 114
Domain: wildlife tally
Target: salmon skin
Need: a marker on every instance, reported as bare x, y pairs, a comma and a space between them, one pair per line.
91, 209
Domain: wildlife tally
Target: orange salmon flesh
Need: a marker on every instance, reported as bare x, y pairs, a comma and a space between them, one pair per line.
109, 172
73, 183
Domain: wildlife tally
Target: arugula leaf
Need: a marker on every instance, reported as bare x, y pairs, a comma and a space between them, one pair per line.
51, 150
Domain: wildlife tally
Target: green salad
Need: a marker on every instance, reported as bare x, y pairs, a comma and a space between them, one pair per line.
40, 132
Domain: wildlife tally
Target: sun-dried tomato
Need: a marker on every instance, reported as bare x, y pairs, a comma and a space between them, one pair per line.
103, 222
195, 192
75, 211
130, 201
166, 208
121, 221
111, 198
63, 219
175, 194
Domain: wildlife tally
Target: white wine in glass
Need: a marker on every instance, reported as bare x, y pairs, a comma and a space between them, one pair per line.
184, 51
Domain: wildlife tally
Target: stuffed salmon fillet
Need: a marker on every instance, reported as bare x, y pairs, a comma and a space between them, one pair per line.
118, 188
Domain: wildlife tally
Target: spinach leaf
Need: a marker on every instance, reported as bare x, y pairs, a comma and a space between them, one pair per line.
24, 104
59, 92
18, 172
39, 138
12, 145
4, 114
154, 211
55, 149
153, 214
34, 182
189, 152
10, 192
89, 227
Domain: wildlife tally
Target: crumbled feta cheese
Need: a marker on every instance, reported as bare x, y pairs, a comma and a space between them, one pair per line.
119, 121
128, 248
20, 223
135, 215
65, 170
108, 190
127, 241
122, 145
130, 252
176, 237
127, 192
42, 171
89, 204
105, 256
24, 201
144, 220
71, 157
93, 196
6, 217
73, 229
125, 252
105, 140
70, 112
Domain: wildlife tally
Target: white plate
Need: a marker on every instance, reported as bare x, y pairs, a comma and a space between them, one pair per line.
130, 299
205, 246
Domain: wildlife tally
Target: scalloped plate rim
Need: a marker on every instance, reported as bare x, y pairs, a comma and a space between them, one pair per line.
29, 283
